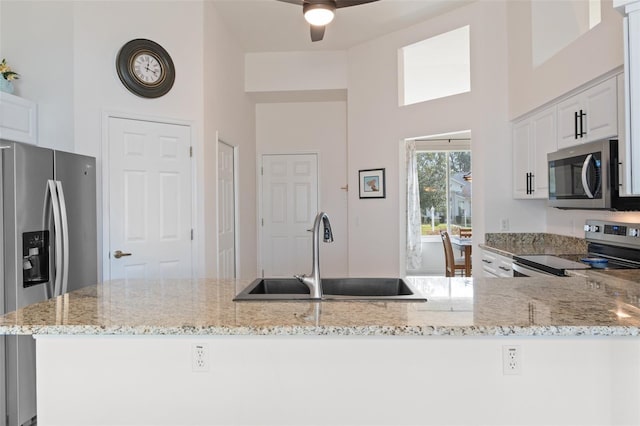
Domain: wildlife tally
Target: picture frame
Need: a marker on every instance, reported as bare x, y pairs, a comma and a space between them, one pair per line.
371, 183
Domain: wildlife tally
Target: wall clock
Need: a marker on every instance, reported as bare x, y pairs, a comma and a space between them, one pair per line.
145, 68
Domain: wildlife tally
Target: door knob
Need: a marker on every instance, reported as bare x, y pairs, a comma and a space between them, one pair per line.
118, 254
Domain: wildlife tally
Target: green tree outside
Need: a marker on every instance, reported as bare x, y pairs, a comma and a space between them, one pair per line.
432, 181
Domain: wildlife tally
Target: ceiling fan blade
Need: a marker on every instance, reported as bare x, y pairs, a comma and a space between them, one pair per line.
298, 2
347, 3
317, 32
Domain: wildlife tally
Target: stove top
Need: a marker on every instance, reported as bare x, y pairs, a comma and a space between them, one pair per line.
551, 263
611, 245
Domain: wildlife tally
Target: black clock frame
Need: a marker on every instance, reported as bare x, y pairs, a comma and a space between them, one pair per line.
124, 66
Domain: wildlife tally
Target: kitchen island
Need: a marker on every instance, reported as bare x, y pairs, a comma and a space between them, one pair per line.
127, 353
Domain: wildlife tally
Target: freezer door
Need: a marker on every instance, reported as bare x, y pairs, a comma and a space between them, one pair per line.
26, 170
77, 176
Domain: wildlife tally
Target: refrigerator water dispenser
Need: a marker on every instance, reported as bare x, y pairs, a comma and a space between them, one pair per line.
35, 258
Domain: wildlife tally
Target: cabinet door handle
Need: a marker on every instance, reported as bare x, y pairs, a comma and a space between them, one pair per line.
583, 115
487, 261
575, 124
504, 268
529, 183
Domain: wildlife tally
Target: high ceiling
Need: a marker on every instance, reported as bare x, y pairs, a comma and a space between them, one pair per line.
271, 25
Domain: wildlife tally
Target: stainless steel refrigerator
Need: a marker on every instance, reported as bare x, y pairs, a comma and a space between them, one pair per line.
49, 234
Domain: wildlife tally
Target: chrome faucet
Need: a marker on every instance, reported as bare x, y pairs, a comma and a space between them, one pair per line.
313, 281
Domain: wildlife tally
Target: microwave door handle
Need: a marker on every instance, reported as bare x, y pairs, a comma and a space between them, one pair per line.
585, 169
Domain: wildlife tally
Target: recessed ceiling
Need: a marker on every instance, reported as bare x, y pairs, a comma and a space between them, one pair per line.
274, 26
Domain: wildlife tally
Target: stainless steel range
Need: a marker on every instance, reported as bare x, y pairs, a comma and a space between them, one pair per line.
611, 245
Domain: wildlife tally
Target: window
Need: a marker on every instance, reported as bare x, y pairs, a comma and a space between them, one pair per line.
444, 184
434, 68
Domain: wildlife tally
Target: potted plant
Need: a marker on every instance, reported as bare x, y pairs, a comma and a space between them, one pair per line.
6, 81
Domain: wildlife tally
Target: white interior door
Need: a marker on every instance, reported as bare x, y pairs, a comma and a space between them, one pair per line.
289, 206
226, 211
150, 200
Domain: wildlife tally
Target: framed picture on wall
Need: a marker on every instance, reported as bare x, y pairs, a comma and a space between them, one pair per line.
371, 183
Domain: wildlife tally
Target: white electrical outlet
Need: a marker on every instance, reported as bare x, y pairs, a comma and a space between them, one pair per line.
199, 357
511, 360
504, 225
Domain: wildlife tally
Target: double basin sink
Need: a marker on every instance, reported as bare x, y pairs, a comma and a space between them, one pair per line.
347, 289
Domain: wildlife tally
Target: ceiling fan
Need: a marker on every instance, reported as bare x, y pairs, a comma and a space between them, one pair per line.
319, 13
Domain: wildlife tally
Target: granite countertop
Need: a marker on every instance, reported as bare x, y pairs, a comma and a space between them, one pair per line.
597, 304
510, 244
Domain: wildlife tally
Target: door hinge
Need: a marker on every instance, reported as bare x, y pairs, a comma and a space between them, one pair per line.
262, 171
192, 235
263, 273
262, 221
190, 151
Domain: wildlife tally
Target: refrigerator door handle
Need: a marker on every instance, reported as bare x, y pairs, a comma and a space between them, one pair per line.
58, 232
65, 237
46, 224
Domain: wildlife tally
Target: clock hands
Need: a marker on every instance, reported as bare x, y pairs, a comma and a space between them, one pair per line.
155, 72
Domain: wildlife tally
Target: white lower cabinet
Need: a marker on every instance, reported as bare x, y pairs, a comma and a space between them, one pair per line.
495, 265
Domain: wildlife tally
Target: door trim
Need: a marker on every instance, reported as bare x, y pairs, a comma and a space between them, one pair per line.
236, 186
103, 187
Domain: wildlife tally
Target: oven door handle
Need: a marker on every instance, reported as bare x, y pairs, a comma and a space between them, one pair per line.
521, 270
585, 170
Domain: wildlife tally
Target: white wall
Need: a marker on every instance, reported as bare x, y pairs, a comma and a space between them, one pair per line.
433, 261
596, 52
293, 71
377, 126
308, 127
36, 38
229, 111
66, 53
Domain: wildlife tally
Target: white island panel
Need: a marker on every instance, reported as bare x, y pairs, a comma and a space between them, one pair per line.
336, 380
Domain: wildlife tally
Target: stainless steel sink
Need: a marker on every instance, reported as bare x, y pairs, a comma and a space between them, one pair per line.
386, 289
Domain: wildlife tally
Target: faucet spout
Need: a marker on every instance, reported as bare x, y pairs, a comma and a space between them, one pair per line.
314, 281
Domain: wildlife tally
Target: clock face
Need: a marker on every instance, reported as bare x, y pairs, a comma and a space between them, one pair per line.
147, 69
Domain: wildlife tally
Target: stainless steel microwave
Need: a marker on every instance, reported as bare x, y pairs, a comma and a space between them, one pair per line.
587, 177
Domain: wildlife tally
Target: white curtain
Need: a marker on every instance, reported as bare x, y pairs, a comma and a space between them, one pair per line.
414, 224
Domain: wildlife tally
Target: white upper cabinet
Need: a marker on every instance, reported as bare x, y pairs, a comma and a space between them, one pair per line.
533, 139
589, 115
18, 121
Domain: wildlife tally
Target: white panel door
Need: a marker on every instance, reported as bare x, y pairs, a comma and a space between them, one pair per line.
226, 212
289, 206
149, 200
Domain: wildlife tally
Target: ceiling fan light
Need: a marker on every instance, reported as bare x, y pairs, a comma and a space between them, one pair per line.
318, 14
